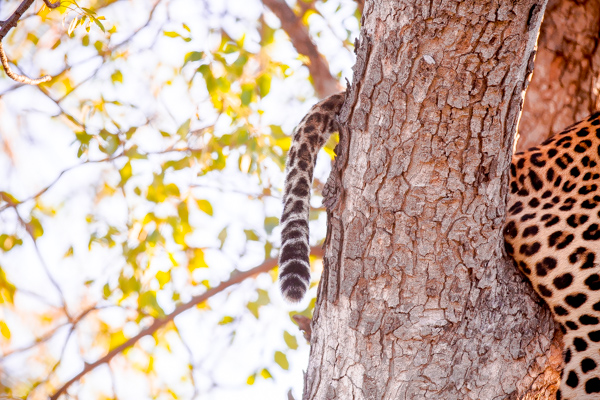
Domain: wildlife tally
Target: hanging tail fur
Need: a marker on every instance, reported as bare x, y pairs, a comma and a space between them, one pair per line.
309, 137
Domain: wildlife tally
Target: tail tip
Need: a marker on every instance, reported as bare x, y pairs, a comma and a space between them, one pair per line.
293, 294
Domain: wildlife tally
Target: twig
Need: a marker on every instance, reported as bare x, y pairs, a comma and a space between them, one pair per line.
325, 84
29, 230
48, 335
52, 5
361, 5
160, 322
9, 204
17, 77
191, 357
7, 25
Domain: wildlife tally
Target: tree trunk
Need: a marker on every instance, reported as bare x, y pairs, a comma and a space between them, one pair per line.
416, 299
565, 84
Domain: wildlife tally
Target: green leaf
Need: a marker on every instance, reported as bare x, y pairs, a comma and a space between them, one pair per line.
204, 205
182, 211
247, 92
251, 235
263, 299
222, 237
148, 300
129, 134
184, 128
106, 291
111, 144
129, 285
99, 24
268, 249
193, 56
290, 340
271, 223
281, 360
35, 228
7, 242
264, 84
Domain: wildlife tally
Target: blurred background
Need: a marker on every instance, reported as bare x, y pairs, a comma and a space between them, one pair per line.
143, 180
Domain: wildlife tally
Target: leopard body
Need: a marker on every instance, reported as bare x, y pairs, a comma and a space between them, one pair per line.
552, 232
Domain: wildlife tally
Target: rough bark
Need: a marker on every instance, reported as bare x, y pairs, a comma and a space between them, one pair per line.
565, 85
416, 300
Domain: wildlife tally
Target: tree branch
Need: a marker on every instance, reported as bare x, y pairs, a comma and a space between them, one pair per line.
325, 84
11, 22
361, 5
7, 25
52, 5
160, 322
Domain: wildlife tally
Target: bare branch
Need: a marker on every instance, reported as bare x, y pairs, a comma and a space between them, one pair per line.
361, 5
52, 5
17, 77
11, 22
325, 84
304, 325
48, 335
160, 322
7, 25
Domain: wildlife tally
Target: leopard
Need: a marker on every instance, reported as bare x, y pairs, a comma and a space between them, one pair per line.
552, 231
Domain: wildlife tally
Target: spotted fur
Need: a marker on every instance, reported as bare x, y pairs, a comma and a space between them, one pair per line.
311, 134
552, 232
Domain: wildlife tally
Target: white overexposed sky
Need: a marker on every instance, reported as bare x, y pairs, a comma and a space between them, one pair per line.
38, 146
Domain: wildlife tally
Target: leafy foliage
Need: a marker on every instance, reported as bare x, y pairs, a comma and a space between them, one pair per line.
148, 171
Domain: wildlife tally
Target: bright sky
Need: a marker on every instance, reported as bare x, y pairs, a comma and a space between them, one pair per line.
38, 147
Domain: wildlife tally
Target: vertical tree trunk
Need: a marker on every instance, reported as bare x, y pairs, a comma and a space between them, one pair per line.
416, 300
565, 85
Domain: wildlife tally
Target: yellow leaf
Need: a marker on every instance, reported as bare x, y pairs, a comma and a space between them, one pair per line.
265, 374
72, 25
163, 278
116, 339
4, 330
204, 205
226, 320
69, 252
